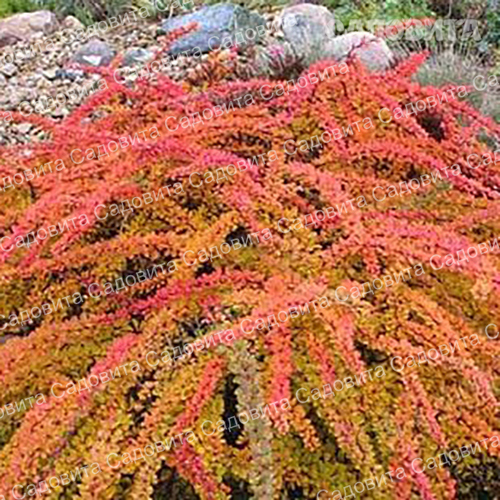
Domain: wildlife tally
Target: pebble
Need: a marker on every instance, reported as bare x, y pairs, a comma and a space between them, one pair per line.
50, 74
9, 69
24, 128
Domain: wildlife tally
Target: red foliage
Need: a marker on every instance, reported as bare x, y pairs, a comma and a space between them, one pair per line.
379, 425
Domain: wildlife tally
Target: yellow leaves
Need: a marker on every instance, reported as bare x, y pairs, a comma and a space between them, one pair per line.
304, 428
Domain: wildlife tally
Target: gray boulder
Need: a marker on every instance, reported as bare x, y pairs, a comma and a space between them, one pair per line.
216, 24
24, 27
309, 34
307, 28
94, 53
372, 51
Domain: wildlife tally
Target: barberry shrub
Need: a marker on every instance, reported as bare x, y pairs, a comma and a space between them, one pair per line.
298, 448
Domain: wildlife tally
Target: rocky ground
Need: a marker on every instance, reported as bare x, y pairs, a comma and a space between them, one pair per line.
52, 72
48, 74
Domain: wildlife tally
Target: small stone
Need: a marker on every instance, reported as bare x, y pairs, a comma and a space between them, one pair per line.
50, 74
24, 128
94, 53
30, 82
72, 23
31, 95
3, 80
134, 56
69, 74
60, 112
41, 83
9, 69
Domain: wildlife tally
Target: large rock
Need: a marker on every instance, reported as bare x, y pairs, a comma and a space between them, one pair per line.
216, 24
372, 51
24, 27
94, 53
307, 28
309, 33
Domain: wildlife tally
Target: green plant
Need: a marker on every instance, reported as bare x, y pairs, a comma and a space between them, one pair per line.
460, 9
10, 7
451, 68
485, 12
90, 11
347, 11
493, 27
87, 11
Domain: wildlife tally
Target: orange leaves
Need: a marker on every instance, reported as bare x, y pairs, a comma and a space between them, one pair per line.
368, 425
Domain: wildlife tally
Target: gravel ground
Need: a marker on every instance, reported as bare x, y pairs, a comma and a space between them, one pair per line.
49, 73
